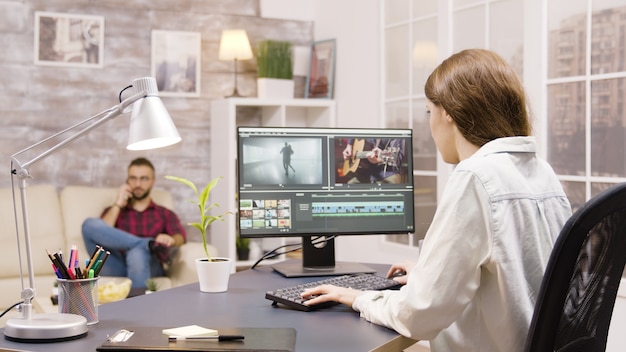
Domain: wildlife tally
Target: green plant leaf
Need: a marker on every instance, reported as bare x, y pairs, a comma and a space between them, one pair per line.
274, 59
203, 207
185, 181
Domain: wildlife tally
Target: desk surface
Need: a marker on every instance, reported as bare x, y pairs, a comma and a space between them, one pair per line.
244, 305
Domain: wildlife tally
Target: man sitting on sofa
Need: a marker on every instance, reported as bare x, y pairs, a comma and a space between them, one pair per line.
138, 232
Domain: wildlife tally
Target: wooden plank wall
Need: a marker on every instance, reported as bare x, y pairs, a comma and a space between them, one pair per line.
37, 101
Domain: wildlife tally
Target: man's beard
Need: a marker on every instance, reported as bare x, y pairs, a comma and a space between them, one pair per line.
143, 196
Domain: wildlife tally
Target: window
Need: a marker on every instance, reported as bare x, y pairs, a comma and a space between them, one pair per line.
411, 53
414, 46
578, 97
586, 121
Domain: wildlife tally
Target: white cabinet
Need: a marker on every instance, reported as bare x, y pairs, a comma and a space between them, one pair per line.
226, 115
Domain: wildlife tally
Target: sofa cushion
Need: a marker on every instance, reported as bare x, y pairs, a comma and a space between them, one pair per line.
46, 233
45, 224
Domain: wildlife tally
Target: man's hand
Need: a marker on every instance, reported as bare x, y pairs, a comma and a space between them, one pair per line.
347, 153
325, 293
373, 156
123, 195
164, 240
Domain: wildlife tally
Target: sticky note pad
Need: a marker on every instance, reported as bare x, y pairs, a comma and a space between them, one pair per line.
190, 330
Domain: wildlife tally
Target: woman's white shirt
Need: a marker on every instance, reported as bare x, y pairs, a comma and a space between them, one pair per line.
476, 280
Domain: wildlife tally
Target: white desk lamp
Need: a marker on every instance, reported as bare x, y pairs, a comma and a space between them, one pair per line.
150, 127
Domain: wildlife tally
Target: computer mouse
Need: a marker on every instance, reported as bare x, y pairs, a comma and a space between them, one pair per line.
398, 274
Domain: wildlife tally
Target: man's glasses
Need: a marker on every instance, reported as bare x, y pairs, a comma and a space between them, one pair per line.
140, 179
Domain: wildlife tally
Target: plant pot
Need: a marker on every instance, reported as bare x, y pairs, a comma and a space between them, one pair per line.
213, 275
243, 253
273, 88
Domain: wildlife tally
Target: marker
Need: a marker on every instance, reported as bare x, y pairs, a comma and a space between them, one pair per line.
218, 338
101, 262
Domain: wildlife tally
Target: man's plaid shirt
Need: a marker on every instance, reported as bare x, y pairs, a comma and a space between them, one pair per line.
149, 223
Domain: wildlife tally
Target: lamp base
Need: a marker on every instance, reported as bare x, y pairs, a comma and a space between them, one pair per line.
43, 328
235, 94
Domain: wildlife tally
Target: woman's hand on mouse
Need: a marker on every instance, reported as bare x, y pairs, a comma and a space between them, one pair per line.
400, 271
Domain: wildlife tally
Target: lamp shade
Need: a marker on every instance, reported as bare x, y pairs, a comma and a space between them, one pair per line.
235, 45
150, 124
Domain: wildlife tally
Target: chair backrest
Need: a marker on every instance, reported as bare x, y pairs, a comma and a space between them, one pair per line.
578, 291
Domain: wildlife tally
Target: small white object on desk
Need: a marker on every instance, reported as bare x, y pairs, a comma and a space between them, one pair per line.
190, 331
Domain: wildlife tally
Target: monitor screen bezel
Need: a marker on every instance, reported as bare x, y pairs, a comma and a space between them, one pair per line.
305, 131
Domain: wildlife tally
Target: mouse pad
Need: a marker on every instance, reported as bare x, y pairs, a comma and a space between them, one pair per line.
255, 339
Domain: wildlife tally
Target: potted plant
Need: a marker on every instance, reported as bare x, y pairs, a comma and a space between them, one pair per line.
275, 69
213, 272
151, 286
243, 248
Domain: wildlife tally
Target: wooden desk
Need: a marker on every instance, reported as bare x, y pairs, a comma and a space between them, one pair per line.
243, 305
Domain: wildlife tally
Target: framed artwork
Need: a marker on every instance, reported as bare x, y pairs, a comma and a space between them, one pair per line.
176, 62
321, 76
64, 39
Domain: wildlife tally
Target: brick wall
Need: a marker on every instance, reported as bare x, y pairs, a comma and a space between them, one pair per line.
37, 101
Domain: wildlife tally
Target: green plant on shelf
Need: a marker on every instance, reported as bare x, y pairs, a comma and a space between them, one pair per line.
274, 59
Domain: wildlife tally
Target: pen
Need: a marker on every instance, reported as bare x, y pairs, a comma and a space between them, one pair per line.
56, 271
217, 337
59, 265
93, 255
95, 258
101, 263
96, 267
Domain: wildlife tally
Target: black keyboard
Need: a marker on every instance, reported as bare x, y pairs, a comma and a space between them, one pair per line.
290, 296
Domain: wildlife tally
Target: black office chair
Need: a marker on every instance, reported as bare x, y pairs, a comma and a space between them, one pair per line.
578, 291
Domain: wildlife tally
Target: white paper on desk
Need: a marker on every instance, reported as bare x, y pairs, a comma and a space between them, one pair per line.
190, 330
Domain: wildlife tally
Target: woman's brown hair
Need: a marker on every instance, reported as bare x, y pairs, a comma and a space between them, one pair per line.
482, 94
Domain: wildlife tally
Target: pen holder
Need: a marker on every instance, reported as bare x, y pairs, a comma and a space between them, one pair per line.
79, 297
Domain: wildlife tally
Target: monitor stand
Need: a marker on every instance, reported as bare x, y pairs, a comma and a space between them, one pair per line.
318, 259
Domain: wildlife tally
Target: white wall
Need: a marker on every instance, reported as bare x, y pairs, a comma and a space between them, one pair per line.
357, 78
301, 10
358, 95
357, 86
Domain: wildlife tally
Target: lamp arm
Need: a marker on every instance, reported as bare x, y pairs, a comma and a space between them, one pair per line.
22, 168
21, 171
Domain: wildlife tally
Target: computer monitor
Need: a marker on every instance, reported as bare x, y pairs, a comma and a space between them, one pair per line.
296, 182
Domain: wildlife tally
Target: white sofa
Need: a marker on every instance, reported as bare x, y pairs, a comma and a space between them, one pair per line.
55, 219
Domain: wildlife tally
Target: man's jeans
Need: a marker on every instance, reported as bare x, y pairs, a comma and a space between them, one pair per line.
130, 254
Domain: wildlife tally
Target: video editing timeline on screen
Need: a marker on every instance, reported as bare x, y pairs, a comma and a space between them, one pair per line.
357, 209
276, 213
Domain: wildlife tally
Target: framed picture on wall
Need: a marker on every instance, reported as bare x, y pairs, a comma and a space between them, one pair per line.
321, 76
176, 62
64, 39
